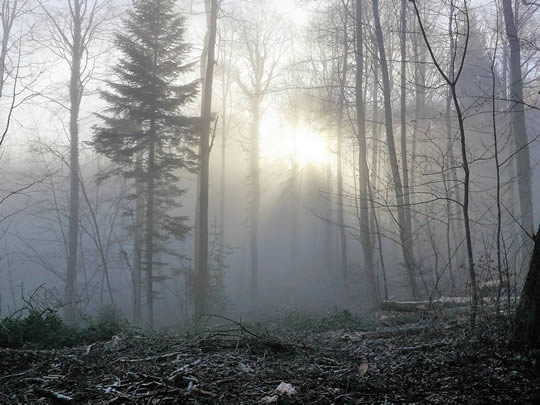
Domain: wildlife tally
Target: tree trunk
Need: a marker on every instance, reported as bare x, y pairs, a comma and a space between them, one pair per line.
403, 109
74, 100
518, 119
363, 177
339, 155
404, 231
526, 330
255, 196
149, 228
419, 127
138, 243
328, 251
223, 169
202, 276
452, 80
453, 226
466, 195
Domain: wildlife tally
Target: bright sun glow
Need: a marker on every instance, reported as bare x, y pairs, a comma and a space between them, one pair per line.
310, 147
302, 144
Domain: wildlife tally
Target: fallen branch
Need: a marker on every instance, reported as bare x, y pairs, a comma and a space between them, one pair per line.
55, 396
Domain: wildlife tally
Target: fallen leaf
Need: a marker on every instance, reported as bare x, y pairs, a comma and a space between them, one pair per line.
269, 399
364, 367
285, 389
245, 369
204, 392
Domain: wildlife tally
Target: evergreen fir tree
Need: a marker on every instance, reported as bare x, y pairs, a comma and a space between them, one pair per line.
143, 129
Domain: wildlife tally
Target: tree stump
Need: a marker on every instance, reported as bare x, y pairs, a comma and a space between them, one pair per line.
526, 330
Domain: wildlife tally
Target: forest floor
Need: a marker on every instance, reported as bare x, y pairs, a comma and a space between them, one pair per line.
231, 364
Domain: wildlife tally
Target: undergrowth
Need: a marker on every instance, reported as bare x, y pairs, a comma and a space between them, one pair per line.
299, 321
44, 329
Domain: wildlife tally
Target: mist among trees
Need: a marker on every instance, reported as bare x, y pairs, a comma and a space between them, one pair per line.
288, 197
173, 159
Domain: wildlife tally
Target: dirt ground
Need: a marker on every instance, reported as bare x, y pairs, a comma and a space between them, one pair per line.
229, 365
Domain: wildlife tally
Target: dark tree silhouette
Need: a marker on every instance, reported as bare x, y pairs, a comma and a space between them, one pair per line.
143, 129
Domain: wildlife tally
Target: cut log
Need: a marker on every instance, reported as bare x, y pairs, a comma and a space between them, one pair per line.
415, 306
491, 288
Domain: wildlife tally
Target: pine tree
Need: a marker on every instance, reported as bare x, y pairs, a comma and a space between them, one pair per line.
143, 130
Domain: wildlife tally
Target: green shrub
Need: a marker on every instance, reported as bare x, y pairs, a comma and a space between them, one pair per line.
36, 330
46, 330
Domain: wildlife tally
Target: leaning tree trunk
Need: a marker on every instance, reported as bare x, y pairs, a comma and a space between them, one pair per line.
526, 331
404, 231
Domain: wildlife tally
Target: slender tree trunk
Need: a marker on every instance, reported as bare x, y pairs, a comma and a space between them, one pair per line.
374, 226
419, 111
339, 154
138, 242
375, 131
375, 142
74, 203
455, 226
149, 228
404, 231
451, 232
222, 174
466, 194
202, 276
363, 176
6, 28
498, 175
294, 216
403, 110
519, 130
452, 80
327, 251
255, 196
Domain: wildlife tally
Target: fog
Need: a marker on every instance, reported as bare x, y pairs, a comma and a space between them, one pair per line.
304, 213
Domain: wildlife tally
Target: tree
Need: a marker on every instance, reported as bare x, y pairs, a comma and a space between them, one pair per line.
202, 279
261, 38
364, 189
452, 81
72, 38
12, 13
526, 331
403, 221
343, 70
519, 130
143, 129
